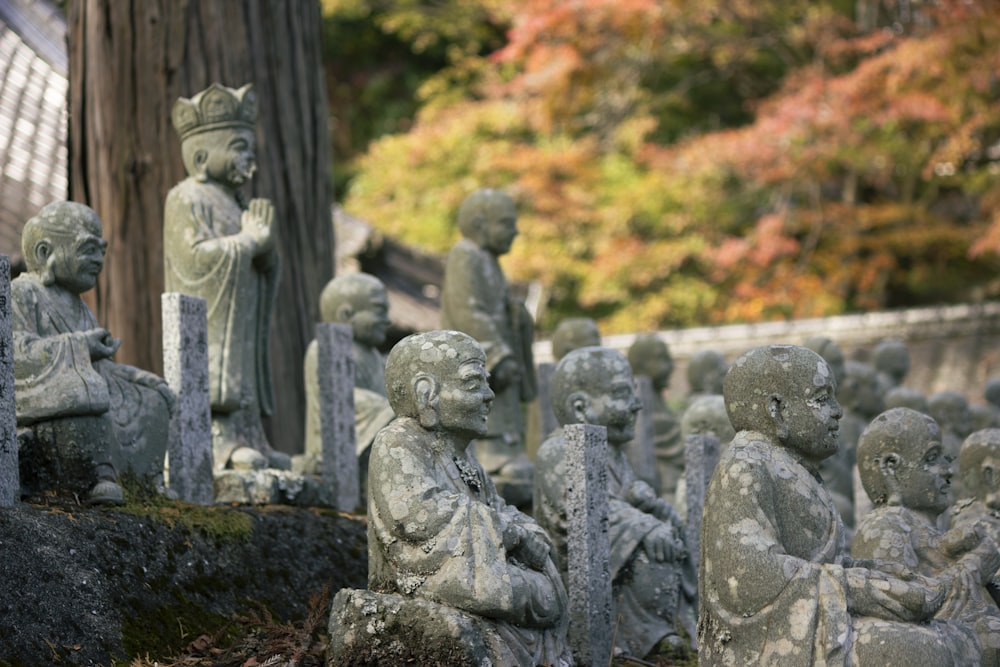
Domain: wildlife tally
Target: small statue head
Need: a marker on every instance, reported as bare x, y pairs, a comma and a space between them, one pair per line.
216, 127
906, 397
951, 410
361, 300
831, 352
650, 356
706, 371
63, 245
594, 385
902, 462
574, 333
861, 391
439, 378
788, 394
488, 218
991, 391
979, 466
707, 415
892, 358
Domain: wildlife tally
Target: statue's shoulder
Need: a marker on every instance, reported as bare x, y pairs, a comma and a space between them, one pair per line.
26, 288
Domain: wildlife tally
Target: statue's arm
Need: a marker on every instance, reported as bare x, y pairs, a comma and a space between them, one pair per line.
190, 236
471, 302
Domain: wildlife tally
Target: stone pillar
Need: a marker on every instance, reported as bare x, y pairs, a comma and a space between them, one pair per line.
10, 482
547, 417
641, 451
588, 549
701, 453
185, 368
335, 373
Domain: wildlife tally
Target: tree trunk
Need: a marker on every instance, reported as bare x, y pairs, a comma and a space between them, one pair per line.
129, 61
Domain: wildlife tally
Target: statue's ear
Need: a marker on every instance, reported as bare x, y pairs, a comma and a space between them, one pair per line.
578, 403
774, 410
989, 476
344, 312
888, 465
200, 162
426, 390
44, 258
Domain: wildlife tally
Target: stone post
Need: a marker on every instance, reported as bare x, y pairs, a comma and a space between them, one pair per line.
335, 373
588, 548
547, 417
641, 451
185, 368
10, 480
701, 453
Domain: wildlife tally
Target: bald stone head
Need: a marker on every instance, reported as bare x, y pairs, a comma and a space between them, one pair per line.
358, 299
892, 358
432, 354
890, 451
650, 356
574, 333
831, 353
488, 218
63, 245
707, 415
979, 466
786, 393
706, 370
594, 385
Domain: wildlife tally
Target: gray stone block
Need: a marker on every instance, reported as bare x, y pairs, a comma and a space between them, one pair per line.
335, 372
10, 484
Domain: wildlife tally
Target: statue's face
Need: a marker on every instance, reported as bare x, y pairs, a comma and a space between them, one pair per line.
868, 396
499, 230
924, 473
232, 157
895, 362
659, 367
989, 479
370, 321
78, 258
465, 398
614, 402
811, 413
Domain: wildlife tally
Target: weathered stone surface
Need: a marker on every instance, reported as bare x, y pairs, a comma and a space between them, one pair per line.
641, 451
374, 629
85, 586
335, 375
10, 482
185, 368
701, 453
271, 487
587, 548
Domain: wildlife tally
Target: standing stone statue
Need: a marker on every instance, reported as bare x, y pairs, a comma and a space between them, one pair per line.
446, 555
221, 247
573, 333
594, 385
775, 585
649, 355
476, 300
95, 417
360, 300
907, 476
979, 470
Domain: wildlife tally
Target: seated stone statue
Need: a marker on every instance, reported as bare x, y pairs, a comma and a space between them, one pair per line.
775, 585
220, 247
104, 416
979, 470
594, 385
360, 300
649, 355
443, 547
907, 476
573, 333
706, 416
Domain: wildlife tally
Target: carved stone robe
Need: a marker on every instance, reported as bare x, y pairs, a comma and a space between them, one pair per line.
435, 531
207, 255
774, 585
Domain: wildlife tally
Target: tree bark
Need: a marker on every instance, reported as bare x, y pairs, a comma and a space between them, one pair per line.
129, 61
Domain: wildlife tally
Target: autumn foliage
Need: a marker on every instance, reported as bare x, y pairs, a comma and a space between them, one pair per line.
680, 163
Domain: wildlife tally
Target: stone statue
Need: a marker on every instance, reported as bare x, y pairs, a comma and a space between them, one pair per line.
220, 247
594, 385
360, 300
706, 416
906, 397
101, 417
891, 359
907, 476
951, 411
437, 529
476, 300
775, 584
979, 470
649, 355
573, 333
706, 371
